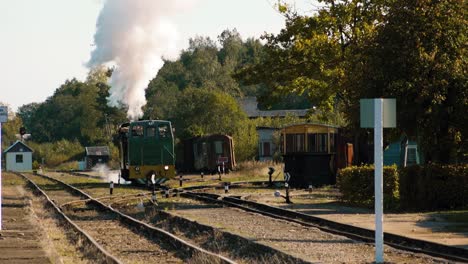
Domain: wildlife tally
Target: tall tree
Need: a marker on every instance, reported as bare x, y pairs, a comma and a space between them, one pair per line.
351, 49
11, 128
203, 112
76, 111
312, 55
419, 57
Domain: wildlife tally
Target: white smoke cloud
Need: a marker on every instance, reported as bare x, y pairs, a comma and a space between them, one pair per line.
133, 36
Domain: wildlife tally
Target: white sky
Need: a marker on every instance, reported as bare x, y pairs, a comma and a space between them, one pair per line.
45, 42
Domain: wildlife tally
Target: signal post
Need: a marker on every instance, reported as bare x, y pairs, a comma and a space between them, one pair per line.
378, 113
3, 119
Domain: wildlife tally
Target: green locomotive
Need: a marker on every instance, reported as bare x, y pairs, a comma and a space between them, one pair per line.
147, 149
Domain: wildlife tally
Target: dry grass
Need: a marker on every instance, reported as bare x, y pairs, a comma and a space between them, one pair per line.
257, 170
245, 171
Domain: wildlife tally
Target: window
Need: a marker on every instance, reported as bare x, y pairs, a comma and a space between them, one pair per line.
150, 131
294, 143
317, 142
204, 149
218, 147
322, 142
312, 142
332, 142
163, 130
19, 158
266, 149
137, 131
196, 150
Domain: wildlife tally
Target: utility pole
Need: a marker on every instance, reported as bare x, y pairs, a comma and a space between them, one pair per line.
3, 119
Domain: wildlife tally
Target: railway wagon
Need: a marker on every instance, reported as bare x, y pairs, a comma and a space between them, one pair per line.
313, 153
147, 149
206, 153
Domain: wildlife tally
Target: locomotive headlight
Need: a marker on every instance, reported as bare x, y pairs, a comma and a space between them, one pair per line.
166, 168
137, 168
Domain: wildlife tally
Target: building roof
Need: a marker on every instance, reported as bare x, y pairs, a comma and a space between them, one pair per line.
18, 146
266, 128
97, 151
250, 106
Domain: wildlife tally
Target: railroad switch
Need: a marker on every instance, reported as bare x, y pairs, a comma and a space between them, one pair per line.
111, 187
287, 193
271, 170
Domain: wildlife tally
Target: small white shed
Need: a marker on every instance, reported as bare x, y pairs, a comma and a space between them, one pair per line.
18, 157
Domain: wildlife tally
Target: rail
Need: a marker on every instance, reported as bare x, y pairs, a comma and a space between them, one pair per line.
174, 241
353, 232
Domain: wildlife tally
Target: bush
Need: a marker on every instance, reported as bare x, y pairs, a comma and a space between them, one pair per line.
356, 185
57, 152
35, 165
434, 186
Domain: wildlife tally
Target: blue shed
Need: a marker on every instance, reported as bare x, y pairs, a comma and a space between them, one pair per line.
402, 152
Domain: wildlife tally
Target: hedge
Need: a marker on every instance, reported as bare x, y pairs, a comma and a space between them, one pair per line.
356, 185
434, 186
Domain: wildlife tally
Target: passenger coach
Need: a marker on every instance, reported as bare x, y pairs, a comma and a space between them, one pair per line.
313, 153
207, 153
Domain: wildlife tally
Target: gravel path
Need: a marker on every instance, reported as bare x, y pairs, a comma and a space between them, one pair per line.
306, 243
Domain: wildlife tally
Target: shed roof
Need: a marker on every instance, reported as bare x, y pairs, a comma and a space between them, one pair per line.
97, 151
18, 146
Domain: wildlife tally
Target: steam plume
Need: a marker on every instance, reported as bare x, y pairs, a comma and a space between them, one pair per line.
134, 35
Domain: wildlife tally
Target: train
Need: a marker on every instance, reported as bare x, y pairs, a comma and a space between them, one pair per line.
146, 151
313, 153
208, 154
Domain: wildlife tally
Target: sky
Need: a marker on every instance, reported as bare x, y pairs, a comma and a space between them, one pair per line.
45, 42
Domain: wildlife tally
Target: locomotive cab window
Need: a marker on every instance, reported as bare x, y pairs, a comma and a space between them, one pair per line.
163, 130
137, 131
150, 131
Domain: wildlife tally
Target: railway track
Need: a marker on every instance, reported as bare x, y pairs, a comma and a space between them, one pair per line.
215, 240
118, 238
355, 233
361, 234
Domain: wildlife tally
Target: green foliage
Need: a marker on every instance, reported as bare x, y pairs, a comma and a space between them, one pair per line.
434, 187
245, 142
10, 129
419, 57
57, 152
414, 51
311, 56
203, 65
203, 112
76, 111
35, 165
356, 185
